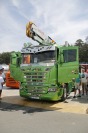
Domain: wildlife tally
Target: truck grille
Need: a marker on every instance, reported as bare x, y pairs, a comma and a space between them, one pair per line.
36, 80
35, 77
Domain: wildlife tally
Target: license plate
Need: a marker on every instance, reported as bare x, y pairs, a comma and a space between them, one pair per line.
34, 97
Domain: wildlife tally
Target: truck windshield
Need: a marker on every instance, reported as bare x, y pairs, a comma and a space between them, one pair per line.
39, 57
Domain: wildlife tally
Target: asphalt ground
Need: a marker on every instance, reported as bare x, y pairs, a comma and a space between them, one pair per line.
78, 105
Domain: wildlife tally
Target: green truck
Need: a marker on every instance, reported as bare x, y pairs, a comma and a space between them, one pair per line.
46, 71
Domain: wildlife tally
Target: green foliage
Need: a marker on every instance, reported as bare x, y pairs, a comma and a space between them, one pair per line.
5, 58
79, 43
83, 51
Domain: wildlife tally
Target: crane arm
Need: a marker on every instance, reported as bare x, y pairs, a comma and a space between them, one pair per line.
36, 34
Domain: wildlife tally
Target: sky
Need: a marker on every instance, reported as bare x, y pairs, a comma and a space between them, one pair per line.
62, 20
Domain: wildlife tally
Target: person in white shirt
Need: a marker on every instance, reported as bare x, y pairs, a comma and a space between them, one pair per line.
1, 82
3, 74
87, 79
84, 81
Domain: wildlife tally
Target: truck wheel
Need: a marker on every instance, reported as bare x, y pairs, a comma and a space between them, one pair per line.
64, 96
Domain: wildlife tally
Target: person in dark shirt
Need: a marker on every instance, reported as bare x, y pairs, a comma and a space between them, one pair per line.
77, 86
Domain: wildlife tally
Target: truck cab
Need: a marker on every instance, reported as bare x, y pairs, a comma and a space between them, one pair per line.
46, 72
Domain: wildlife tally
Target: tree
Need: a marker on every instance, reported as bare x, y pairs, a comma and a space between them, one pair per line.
86, 40
83, 51
5, 58
79, 43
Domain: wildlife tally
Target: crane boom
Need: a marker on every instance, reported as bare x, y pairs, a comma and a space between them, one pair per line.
36, 34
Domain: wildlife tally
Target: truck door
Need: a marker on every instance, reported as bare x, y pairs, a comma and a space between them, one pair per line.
68, 66
15, 70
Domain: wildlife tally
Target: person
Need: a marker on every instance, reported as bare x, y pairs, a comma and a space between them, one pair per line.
1, 82
87, 80
3, 74
77, 86
84, 81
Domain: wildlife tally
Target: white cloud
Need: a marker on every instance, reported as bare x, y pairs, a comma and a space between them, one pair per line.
61, 20
16, 2
57, 20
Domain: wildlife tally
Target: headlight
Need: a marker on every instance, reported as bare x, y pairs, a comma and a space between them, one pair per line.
52, 89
